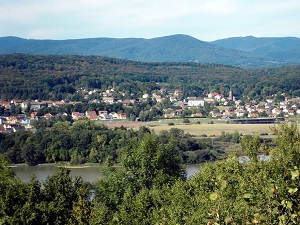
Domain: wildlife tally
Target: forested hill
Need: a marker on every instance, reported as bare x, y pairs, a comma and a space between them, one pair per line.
58, 77
282, 49
174, 48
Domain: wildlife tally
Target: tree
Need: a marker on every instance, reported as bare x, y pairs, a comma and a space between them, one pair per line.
147, 165
186, 120
152, 164
62, 196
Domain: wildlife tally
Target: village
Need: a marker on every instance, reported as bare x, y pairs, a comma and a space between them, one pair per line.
17, 114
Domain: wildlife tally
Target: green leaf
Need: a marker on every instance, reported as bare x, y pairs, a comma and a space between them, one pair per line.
219, 177
213, 196
289, 205
223, 185
292, 190
295, 174
228, 219
275, 211
247, 195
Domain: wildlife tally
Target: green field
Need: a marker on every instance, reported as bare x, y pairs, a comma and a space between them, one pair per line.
204, 128
216, 129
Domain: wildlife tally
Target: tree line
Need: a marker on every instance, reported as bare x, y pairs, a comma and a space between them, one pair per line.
86, 141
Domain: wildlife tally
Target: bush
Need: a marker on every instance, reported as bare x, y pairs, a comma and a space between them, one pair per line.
186, 120
171, 124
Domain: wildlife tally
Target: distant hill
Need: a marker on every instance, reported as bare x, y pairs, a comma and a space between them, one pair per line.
282, 49
174, 48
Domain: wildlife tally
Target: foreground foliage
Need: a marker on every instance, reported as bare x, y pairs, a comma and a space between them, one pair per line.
61, 200
151, 189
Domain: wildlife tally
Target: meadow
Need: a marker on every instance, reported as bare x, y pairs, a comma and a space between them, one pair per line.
217, 129
207, 126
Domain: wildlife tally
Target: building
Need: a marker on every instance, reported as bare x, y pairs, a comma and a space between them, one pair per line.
193, 101
91, 115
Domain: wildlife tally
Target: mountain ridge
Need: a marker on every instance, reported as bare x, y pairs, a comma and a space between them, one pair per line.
173, 48
279, 48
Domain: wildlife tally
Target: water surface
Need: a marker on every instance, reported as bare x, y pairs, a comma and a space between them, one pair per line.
89, 174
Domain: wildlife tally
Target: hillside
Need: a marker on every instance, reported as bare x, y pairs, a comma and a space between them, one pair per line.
58, 77
282, 49
175, 48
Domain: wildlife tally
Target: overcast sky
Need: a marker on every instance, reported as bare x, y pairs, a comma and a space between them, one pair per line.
206, 20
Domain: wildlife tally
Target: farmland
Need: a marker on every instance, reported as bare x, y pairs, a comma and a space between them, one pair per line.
208, 127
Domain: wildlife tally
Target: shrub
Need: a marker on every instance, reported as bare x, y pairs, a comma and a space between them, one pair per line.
186, 120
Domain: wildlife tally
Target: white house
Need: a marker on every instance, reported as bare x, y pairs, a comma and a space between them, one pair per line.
109, 100
193, 101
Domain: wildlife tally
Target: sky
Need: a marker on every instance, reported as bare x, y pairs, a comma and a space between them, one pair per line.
206, 20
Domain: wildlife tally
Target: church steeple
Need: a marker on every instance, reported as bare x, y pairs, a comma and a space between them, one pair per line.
230, 95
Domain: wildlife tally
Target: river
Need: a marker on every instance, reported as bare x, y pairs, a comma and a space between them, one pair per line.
89, 174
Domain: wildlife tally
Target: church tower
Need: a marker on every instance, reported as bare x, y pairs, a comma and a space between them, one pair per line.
230, 98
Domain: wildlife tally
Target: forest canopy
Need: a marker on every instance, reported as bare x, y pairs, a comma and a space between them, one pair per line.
51, 77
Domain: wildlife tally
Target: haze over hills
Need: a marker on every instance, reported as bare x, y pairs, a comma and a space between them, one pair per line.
174, 48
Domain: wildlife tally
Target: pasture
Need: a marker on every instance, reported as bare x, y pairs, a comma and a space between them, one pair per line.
216, 129
204, 128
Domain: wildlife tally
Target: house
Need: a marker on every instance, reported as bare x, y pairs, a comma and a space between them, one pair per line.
253, 115
212, 94
276, 111
196, 115
77, 115
5, 104
25, 105
291, 112
109, 100
173, 99
145, 96
48, 116
91, 115
105, 116
58, 103
102, 112
127, 102
219, 97
122, 116
113, 115
16, 128
33, 114
209, 100
15, 119
240, 112
17, 102
35, 105
177, 92
178, 111
168, 115
26, 120
215, 114
193, 101
7, 128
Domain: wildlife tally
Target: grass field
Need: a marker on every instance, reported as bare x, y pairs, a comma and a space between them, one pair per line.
216, 129
204, 128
